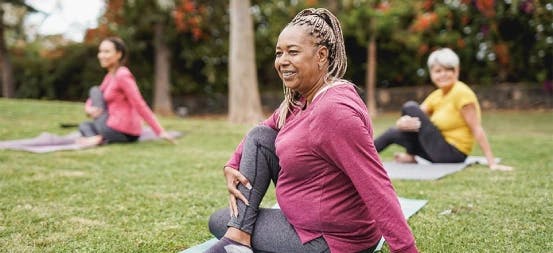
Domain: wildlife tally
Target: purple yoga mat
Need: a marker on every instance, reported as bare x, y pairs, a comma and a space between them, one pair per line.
48, 142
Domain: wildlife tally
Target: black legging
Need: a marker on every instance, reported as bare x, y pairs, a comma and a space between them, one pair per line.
269, 228
427, 143
99, 125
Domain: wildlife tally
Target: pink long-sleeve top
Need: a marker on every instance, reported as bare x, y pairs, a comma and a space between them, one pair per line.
125, 105
332, 182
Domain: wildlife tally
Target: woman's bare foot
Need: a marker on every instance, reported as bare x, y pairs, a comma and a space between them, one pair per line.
90, 141
404, 158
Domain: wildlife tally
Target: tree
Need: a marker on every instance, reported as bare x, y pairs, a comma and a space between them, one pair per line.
378, 17
162, 80
153, 18
8, 84
162, 26
244, 99
8, 89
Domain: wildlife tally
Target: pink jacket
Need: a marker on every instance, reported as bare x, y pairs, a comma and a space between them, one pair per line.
126, 107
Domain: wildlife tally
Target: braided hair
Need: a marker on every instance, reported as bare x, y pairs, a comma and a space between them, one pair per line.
326, 30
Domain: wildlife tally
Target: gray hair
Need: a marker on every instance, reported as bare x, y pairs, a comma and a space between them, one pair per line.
444, 57
325, 28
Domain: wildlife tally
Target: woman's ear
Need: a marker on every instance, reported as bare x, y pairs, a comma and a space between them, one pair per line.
119, 55
457, 70
322, 54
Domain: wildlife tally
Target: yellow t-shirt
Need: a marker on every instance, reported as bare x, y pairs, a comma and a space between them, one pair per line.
445, 113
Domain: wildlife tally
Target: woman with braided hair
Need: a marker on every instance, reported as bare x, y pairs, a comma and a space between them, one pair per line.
317, 148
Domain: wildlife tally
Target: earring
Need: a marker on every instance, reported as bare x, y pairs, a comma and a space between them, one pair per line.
320, 66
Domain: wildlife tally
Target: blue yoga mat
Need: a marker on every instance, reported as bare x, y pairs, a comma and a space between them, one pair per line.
408, 206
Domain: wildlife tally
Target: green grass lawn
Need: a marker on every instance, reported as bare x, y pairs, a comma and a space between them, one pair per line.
157, 197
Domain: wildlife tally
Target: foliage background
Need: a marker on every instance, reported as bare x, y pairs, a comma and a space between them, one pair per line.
502, 41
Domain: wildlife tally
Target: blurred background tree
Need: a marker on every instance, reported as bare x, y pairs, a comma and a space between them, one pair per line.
244, 101
12, 13
369, 21
498, 41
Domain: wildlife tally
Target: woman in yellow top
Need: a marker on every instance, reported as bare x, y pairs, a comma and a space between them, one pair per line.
444, 127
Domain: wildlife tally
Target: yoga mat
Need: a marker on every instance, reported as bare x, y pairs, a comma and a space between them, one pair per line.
408, 206
480, 160
48, 142
425, 170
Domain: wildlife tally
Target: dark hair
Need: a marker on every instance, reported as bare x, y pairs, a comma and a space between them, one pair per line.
119, 47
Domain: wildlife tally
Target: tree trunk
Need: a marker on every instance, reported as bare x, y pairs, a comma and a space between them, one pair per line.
8, 86
371, 77
162, 97
244, 99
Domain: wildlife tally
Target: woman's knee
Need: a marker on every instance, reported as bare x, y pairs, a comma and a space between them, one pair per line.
263, 135
94, 90
87, 129
97, 97
410, 108
262, 131
218, 222
410, 104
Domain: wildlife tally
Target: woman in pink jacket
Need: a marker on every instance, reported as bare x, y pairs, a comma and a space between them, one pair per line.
116, 107
317, 148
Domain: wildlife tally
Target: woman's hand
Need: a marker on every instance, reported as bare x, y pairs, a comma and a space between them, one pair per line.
501, 167
234, 177
93, 111
166, 136
408, 124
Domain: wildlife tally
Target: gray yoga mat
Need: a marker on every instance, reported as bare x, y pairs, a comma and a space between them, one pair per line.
408, 206
425, 170
48, 142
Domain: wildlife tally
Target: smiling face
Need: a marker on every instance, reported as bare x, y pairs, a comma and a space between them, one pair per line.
298, 61
443, 77
108, 56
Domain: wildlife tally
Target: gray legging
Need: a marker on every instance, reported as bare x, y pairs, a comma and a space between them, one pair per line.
427, 143
98, 126
269, 228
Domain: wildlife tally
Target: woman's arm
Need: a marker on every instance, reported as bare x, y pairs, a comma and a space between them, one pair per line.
129, 87
469, 114
132, 93
92, 111
411, 124
345, 140
425, 109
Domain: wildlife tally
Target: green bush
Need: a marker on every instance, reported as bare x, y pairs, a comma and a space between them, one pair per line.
66, 74
512, 45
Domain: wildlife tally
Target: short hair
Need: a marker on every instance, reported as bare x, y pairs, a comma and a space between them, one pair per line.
444, 57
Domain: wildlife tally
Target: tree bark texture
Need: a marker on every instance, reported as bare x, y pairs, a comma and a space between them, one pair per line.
244, 99
8, 85
371, 77
162, 91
